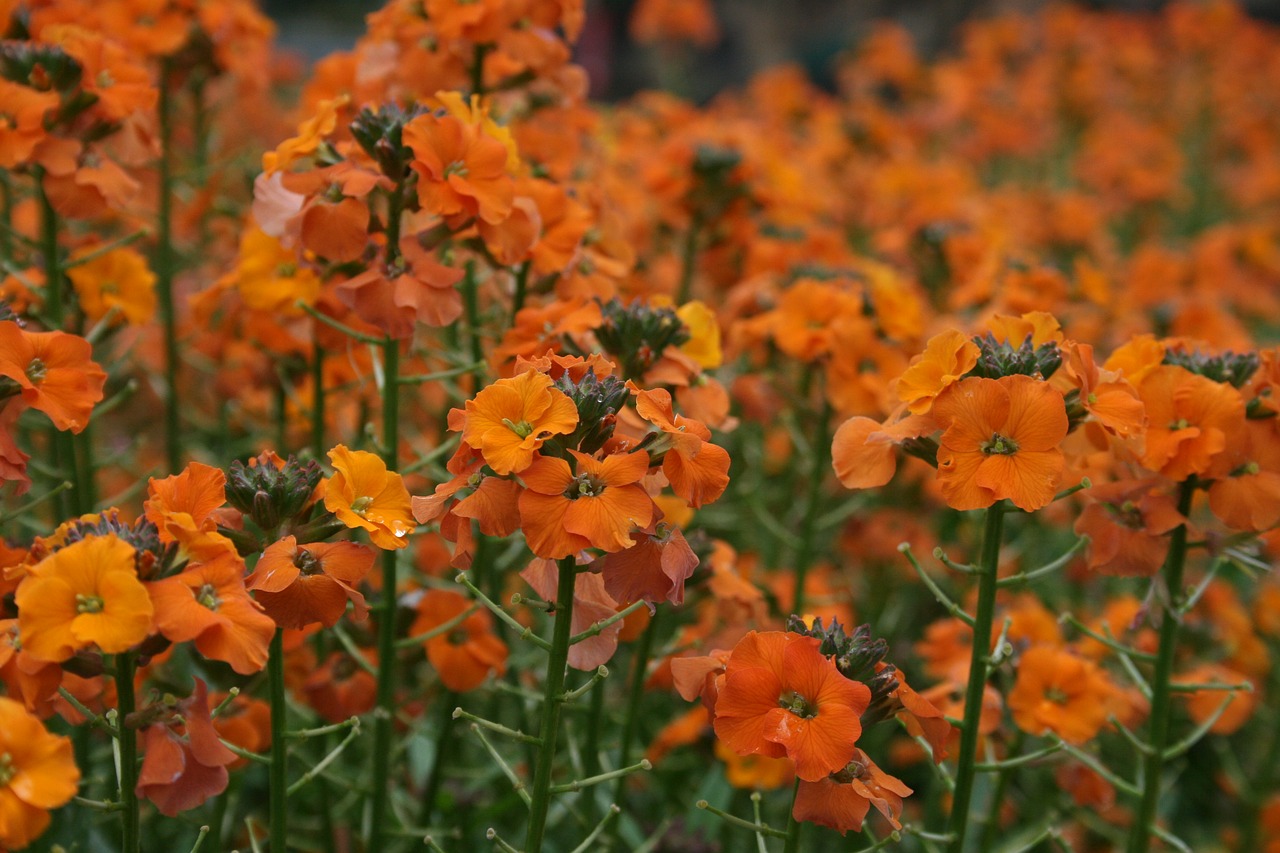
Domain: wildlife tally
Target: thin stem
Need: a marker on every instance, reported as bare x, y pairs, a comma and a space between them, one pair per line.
821, 452
317, 398
1004, 774
1161, 706
522, 289
471, 298
164, 270
978, 659
759, 828
427, 807
279, 773
792, 844
689, 259
552, 702
635, 693
127, 738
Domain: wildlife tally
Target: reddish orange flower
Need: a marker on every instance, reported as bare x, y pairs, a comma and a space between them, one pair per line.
654, 569
563, 511
55, 372
364, 495
782, 697
946, 358
184, 763
1060, 692
37, 773
416, 288
1001, 441
465, 655
33, 682
462, 171
341, 688
1111, 400
841, 800
508, 421
245, 722
1191, 420
1126, 525
1232, 708
697, 469
208, 604
185, 508
301, 585
84, 595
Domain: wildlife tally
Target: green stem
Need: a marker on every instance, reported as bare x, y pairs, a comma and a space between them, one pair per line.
978, 660
1004, 775
279, 781
385, 714
821, 451
164, 270
53, 278
131, 841
792, 844
552, 702
471, 297
522, 289
448, 700
317, 400
1158, 729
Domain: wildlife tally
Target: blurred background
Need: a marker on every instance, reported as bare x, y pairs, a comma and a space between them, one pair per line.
753, 34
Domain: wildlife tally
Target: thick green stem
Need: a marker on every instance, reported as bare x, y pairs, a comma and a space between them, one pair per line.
317, 401
522, 289
792, 844
819, 463
62, 443
164, 270
1158, 727
471, 297
279, 781
978, 666
552, 703
385, 714
131, 832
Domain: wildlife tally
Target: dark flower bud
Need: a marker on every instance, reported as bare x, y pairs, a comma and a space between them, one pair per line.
598, 402
998, 359
636, 335
269, 495
1230, 367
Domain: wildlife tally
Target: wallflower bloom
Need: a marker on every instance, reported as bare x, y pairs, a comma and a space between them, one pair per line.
84, 595
508, 421
947, 356
364, 495
1060, 692
465, 655
118, 279
782, 697
1191, 420
37, 773
1001, 441
209, 604
184, 762
55, 372
841, 801
301, 585
563, 512
461, 170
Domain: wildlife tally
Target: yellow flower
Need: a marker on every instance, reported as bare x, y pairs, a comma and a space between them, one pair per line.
703, 345
117, 279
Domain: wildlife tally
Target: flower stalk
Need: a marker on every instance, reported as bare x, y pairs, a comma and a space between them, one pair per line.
993, 530
127, 739
279, 774
552, 704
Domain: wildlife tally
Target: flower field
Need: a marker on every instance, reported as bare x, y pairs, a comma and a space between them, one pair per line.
408, 453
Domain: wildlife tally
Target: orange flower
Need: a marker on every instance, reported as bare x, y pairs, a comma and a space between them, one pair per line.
37, 773
1001, 441
1203, 705
209, 604
654, 569
84, 595
461, 170
184, 762
1111, 400
118, 279
676, 20
364, 495
563, 512
341, 688
185, 508
1126, 525
301, 585
697, 469
841, 800
33, 682
465, 655
782, 697
1191, 420
55, 371
946, 358
1060, 692
416, 288
508, 421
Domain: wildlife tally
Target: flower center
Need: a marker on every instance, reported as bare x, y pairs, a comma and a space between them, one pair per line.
207, 596
457, 167
89, 603
1000, 445
361, 505
36, 371
853, 770
1180, 423
1056, 696
7, 770
307, 562
524, 429
798, 705
584, 486
458, 637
